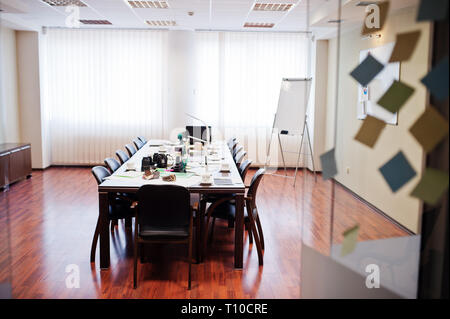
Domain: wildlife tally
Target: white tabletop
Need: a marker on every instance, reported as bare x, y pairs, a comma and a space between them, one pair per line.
121, 179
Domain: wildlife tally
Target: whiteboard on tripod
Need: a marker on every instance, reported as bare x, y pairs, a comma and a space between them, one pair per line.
292, 105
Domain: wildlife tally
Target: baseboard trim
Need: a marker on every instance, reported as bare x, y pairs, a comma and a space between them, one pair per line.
375, 209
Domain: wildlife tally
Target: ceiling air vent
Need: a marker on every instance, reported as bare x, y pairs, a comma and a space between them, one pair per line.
149, 4
258, 25
366, 3
95, 22
272, 6
65, 3
161, 23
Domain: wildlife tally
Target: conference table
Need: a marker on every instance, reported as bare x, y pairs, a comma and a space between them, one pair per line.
123, 181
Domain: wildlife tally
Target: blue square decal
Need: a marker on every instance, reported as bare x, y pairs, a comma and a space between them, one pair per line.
397, 171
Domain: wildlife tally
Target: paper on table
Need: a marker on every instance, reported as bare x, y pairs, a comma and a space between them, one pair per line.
396, 96
350, 240
129, 174
405, 44
370, 131
437, 80
367, 70
383, 11
328, 161
432, 186
435, 10
430, 129
397, 171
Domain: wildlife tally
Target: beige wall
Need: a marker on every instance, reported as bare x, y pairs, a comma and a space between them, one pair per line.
362, 162
9, 109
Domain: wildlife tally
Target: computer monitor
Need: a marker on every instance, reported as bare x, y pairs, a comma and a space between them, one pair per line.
198, 132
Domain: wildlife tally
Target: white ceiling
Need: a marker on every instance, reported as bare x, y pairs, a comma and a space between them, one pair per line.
208, 14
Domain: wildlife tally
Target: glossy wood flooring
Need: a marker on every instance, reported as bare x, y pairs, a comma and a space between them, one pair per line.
52, 218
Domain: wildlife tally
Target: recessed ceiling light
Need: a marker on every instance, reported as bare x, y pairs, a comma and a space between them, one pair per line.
95, 22
272, 6
161, 23
258, 25
149, 4
65, 3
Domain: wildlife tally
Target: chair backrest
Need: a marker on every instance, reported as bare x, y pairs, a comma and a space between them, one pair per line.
231, 142
112, 164
237, 149
123, 157
239, 157
256, 180
100, 172
163, 206
137, 142
130, 149
243, 168
142, 139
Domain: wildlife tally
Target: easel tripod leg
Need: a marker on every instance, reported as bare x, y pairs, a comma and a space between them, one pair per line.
282, 155
312, 155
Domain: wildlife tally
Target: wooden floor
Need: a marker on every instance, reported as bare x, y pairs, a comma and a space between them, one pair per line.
52, 218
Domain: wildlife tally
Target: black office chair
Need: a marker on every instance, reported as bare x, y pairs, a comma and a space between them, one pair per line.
211, 198
237, 149
118, 208
137, 142
232, 143
112, 164
239, 157
123, 157
225, 208
163, 215
244, 167
142, 139
130, 149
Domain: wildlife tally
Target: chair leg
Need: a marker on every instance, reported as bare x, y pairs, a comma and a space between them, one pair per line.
250, 237
113, 224
260, 231
197, 238
255, 234
212, 229
128, 222
94, 241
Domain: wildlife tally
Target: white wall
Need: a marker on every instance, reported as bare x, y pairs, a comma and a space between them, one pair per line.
320, 101
9, 109
30, 96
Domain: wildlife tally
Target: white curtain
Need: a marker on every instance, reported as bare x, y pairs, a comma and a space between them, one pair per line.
104, 87
239, 82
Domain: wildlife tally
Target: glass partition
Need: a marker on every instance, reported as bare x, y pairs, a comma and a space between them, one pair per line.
365, 241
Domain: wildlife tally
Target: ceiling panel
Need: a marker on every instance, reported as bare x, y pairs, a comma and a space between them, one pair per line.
207, 14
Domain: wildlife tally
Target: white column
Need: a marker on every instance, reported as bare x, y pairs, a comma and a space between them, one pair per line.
180, 80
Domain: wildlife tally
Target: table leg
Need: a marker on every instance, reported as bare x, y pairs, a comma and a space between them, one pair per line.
200, 227
104, 229
239, 232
